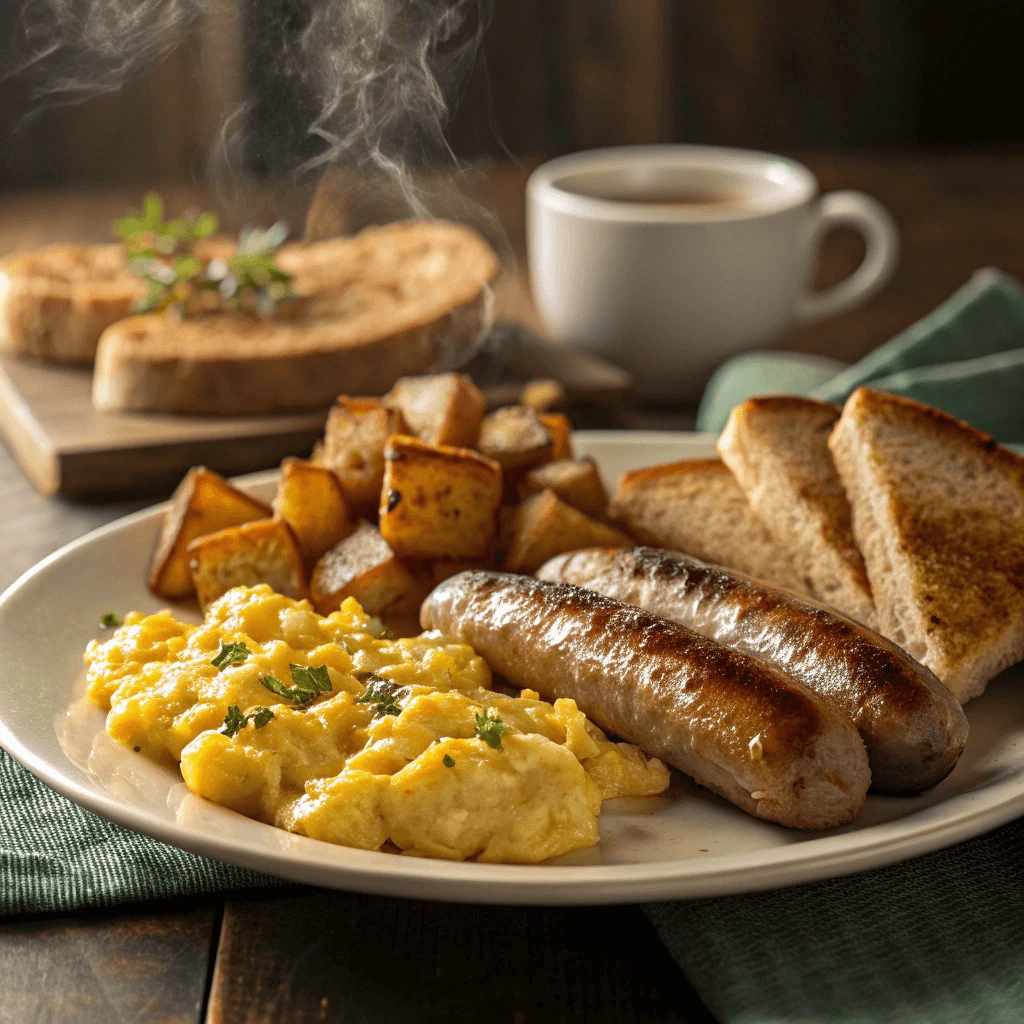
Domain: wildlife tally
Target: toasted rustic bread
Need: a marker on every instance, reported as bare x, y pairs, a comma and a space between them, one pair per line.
938, 511
777, 448
697, 507
390, 302
56, 302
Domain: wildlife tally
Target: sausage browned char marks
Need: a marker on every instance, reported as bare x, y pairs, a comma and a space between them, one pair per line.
735, 725
913, 728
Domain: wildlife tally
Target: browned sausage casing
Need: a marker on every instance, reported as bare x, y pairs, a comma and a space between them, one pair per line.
737, 726
913, 728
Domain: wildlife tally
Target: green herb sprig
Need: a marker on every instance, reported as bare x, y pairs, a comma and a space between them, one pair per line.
235, 721
490, 728
163, 254
110, 620
230, 654
308, 684
382, 692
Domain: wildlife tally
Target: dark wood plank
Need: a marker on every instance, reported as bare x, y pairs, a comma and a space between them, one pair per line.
615, 60
142, 965
776, 75
315, 955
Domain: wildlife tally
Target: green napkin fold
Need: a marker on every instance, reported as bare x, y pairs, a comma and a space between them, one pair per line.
966, 357
937, 940
56, 856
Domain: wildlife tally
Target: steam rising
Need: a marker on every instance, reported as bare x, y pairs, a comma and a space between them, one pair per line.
376, 81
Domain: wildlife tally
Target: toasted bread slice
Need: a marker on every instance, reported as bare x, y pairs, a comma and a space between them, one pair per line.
696, 507
938, 511
56, 302
390, 302
777, 448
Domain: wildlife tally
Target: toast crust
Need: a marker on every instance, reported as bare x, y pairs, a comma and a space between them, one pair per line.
938, 510
777, 448
55, 302
393, 301
697, 507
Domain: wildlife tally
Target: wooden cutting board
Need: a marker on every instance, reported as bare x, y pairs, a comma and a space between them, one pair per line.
66, 447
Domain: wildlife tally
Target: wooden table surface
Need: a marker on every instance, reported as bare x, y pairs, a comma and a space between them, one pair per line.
300, 954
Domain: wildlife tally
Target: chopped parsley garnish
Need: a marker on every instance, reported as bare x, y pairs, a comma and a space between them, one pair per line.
309, 682
384, 694
230, 654
235, 721
261, 716
490, 728
110, 620
448, 761
378, 630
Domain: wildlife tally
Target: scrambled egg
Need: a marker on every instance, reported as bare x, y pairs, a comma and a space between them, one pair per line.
426, 767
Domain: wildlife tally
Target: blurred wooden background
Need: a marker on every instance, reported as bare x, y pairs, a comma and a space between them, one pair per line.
560, 75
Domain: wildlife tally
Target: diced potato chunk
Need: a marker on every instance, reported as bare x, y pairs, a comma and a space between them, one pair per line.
363, 566
203, 503
542, 394
243, 556
515, 438
576, 482
560, 428
439, 501
545, 526
310, 500
354, 439
444, 408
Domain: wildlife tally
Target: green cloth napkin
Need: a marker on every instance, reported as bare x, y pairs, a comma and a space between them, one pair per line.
937, 940
55, 856
966, 357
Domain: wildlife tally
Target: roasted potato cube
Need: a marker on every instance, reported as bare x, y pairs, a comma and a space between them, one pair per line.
363, 566
560, 428
242, 556
576, 482
444, 408
439, 501
354, 439
515, 438
310, 500
203, 503
542, 394
545, 526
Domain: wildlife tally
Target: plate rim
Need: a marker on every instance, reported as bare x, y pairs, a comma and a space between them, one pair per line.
830, 856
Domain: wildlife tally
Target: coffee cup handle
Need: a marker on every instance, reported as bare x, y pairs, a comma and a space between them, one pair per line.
869, 217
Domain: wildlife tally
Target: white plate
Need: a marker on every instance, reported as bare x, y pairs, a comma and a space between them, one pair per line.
691, 844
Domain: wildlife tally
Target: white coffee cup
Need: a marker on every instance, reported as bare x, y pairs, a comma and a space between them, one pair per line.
669, 289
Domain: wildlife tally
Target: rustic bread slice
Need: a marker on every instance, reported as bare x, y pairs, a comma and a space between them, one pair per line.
56, 302
390, 302
697, 507
777, 448
938, 511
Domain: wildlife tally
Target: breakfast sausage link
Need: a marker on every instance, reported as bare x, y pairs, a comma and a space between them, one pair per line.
913, 728
735, 725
